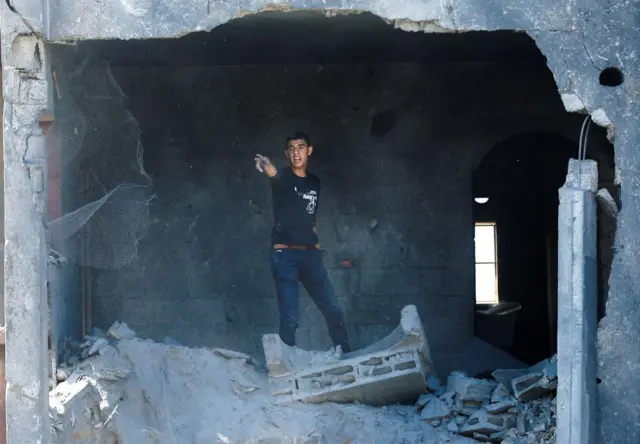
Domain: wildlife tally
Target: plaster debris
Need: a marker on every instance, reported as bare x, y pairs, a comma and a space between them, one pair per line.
393, 370
134, 391
138, 391
120, 330
485, 410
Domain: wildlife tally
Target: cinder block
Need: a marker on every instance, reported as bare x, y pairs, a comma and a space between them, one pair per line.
392, 370
377, 379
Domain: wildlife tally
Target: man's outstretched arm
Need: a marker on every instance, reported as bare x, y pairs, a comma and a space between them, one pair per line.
264, 165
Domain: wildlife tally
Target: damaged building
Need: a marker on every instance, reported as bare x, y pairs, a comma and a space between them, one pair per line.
480, 174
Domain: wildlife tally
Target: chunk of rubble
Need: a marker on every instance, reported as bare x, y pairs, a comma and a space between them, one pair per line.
470, 389
121, 331
433, 384
500, 407
499, 393
547, 367
393, 370
435, 409
423, 400
486, 424
97, 346
533, 385
452, 426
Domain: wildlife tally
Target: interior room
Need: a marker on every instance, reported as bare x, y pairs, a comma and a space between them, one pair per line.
440, 156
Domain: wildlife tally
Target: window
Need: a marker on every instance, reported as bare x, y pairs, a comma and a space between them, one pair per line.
486, 263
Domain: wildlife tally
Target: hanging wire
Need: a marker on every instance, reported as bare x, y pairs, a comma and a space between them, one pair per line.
584, 134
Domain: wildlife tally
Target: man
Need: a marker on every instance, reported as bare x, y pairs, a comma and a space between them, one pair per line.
296, 255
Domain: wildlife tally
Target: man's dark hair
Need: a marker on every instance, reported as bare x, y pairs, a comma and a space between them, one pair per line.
298, 135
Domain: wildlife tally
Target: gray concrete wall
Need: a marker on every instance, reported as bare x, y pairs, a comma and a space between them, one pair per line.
579, 40
202, 274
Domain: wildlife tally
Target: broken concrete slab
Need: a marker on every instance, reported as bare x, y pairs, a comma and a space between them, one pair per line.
375, 379
470, 389
433, 384
408, 335
483, 423
500, 407
435, 409
120, 330
499, 393
424, 399
376, 375
533, 385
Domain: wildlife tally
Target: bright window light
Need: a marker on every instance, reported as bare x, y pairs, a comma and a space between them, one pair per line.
481, 200
486, 263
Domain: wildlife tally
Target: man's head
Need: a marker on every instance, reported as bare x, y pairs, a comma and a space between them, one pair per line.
298, 149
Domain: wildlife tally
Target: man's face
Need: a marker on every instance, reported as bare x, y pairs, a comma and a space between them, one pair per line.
298, 153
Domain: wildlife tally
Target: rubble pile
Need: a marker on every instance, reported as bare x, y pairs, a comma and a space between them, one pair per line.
117, 388
513, 407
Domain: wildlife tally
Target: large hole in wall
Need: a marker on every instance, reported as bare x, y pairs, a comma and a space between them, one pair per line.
408, 129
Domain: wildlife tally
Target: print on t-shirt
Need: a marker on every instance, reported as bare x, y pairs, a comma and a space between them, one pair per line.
311, 196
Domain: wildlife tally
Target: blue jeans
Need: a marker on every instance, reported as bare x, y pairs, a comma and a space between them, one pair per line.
290, 266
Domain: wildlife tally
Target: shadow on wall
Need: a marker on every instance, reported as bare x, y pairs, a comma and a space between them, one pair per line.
521, 177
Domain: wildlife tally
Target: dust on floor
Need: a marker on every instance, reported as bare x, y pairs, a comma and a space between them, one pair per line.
126, 390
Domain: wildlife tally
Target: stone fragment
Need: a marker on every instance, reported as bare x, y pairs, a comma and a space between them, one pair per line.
452, 426
231, 354
423, 400
373, 224
435, 423
121, 331
470, 389
498, 436
448, 398
505, 376
499, 393
97, 346
482, 422
533, 386
500, 407
435, 409
433, 384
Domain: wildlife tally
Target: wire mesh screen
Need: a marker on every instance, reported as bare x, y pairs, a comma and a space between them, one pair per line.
105, 189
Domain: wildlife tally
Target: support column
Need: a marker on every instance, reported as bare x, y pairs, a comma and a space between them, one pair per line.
577, 304
26, 310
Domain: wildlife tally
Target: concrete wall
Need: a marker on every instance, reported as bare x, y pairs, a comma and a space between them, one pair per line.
202, 273
579, 39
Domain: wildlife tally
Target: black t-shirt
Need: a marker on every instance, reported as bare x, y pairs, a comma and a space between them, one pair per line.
295, 203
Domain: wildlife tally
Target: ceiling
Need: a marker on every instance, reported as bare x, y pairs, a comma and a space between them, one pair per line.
310, 37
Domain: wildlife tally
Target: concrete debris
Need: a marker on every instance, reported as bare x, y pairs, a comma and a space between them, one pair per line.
499, 393
486, 411
396, 369
470, 389
120, 330
533, 386
136, 391
435, 409
433, 384
424, 399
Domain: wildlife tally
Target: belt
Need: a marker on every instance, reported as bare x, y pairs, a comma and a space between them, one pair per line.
296, 247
